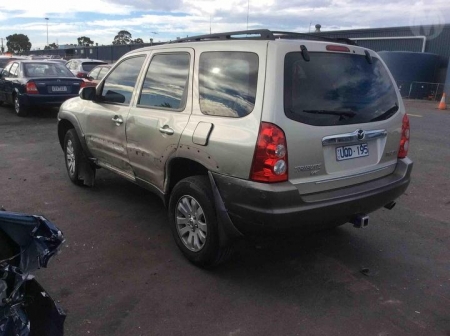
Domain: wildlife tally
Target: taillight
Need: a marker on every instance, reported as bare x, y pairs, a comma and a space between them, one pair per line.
31, 88
270, 162
404, 141
81, 75
82, 84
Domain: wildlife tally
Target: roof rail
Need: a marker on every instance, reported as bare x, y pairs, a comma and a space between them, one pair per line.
261, 34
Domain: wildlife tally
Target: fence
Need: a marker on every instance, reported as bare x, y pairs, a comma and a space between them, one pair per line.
421, 90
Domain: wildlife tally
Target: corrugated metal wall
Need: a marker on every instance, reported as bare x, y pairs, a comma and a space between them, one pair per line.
436, 43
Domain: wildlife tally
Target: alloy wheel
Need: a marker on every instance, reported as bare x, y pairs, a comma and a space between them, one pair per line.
191, 223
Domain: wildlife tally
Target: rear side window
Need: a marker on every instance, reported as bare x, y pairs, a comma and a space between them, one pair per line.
227, 83
119, 85
337, 89
14, 70
166, 82
88, 66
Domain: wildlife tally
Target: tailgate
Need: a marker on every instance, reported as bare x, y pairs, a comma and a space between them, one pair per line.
340, 111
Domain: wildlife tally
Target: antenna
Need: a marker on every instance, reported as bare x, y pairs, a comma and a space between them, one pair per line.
210, 23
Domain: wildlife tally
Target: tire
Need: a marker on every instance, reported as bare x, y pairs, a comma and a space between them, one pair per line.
21, 110
196, 232
73, 156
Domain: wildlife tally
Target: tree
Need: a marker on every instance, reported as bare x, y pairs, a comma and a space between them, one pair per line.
138, 40
51, 46
122, 37
84, 41
18, 43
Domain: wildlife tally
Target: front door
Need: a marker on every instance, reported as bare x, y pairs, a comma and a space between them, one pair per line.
162, 110
107, 116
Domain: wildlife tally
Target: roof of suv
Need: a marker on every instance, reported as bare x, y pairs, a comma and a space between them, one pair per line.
244, 37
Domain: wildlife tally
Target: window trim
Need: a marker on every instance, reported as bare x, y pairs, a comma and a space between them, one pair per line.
256, 86
168, 109
101, 86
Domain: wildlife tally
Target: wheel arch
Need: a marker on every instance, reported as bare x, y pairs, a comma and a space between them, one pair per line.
67, 122
179, 168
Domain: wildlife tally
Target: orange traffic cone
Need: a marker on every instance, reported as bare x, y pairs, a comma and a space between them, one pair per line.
442, 104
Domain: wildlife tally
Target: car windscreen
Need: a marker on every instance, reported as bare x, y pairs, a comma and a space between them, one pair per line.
337, 89
41, 69
88, 66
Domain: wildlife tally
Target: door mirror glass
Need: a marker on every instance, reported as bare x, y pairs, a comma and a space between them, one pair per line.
87, 93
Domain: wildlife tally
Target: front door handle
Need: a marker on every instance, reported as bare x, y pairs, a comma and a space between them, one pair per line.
118, 120
166, 130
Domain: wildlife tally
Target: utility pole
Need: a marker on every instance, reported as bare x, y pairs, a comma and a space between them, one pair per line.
2, 49
46, 19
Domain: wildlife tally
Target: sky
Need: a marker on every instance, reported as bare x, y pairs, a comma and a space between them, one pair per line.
164, 20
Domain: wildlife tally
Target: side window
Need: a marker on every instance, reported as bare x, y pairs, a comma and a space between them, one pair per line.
14, 70
119, 85
166, 82
227, 83
94, 73
5, 71
103, 72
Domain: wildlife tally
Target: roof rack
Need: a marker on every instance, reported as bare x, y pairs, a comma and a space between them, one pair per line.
262, 34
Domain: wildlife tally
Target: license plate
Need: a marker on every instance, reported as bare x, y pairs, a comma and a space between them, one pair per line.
59, 88
352, 152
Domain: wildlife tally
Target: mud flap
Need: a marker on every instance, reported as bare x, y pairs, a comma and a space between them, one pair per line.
87, 172
227, 231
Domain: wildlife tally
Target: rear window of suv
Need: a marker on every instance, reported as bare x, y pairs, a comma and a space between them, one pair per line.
337, 89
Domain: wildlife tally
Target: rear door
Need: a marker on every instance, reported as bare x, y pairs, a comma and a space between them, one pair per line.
162, 111
11, 81
3, 83
340, 111
106, 117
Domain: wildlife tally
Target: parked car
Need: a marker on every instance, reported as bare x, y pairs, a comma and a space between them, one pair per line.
81, 67
246, 132
6, 59
97, 74
27, 83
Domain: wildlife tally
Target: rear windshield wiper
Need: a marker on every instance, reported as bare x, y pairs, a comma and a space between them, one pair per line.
341, 114
389, 113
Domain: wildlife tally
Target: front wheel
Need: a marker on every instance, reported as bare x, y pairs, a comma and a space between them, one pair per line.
73, 156
194, 224
21, 110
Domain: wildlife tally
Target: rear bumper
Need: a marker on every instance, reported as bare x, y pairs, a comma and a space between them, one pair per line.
45, 100
257, 207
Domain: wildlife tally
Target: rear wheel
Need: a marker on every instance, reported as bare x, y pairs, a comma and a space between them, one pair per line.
21, 110
194, 224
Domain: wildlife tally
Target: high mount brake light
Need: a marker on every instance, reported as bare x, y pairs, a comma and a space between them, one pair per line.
332, 47
270, 161
404, 141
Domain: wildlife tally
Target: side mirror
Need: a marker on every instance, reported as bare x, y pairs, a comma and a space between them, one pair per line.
88, 93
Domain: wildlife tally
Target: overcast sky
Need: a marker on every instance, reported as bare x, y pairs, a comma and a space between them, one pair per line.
163, 20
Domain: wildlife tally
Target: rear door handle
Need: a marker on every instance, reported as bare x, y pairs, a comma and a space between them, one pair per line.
118, 120
166, 130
